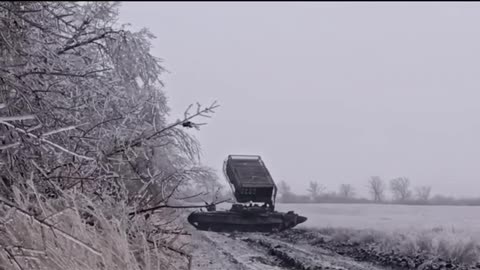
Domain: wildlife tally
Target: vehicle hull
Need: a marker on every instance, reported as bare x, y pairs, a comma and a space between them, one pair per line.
247, 220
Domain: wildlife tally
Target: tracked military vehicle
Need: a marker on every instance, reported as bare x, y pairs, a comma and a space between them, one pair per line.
251, 183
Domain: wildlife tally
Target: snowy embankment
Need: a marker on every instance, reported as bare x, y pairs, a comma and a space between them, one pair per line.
386, 236
311, 249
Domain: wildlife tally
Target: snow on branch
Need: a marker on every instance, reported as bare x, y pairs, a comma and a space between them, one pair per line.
83, 109
16, 118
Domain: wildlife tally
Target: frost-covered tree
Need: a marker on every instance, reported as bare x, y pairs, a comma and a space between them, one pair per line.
376, 188
82, 105
400, 188
315, 189
346, 191
284, 188
422, 193
84, 120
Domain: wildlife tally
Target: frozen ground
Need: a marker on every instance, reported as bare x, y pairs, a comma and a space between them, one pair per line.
389, 217
386, 217
305, 247
251, 251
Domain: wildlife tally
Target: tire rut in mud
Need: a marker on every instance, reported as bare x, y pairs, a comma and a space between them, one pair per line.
361, 253
299, 256
290, 258
300, 249
240, 255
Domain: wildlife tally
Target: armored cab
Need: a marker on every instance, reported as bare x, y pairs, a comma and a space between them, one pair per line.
250, 182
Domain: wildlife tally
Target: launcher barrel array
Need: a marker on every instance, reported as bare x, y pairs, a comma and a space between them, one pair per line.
250, 182
250, 179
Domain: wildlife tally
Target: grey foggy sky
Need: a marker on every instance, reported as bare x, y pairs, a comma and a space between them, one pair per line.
332, 92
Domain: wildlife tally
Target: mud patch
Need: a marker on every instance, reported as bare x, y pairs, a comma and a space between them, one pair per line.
301, 249
369, 253
300, 258
262, 260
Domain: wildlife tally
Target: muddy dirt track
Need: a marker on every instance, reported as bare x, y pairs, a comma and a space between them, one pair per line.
294, 249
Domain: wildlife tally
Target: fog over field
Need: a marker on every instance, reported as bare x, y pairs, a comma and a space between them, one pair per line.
116, 119
331, 92
390, 218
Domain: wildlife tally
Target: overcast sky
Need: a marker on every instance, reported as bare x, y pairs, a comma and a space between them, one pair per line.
332, 92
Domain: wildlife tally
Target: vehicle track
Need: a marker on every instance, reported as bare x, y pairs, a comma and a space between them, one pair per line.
222, 251
299, 249
255, 251
315, 241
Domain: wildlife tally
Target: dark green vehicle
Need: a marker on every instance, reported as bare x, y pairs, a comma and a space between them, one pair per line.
251, 183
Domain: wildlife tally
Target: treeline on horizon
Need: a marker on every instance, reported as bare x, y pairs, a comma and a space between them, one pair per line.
396, 191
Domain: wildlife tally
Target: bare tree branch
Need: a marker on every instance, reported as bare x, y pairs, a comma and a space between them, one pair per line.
152, 209
400, 188
376, 187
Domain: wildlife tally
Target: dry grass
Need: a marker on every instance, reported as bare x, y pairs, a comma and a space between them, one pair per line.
53, 234
447, 244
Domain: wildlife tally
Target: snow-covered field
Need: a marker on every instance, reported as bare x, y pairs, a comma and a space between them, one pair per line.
449, 233
388, 217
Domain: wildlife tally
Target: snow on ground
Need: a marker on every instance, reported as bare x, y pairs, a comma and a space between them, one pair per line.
251, 251
214, 251
388, 217
255, 251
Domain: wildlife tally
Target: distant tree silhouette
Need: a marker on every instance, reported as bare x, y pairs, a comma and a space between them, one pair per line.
376, 188
400, 188
284, 188
346, 191
423, 193
315, 189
